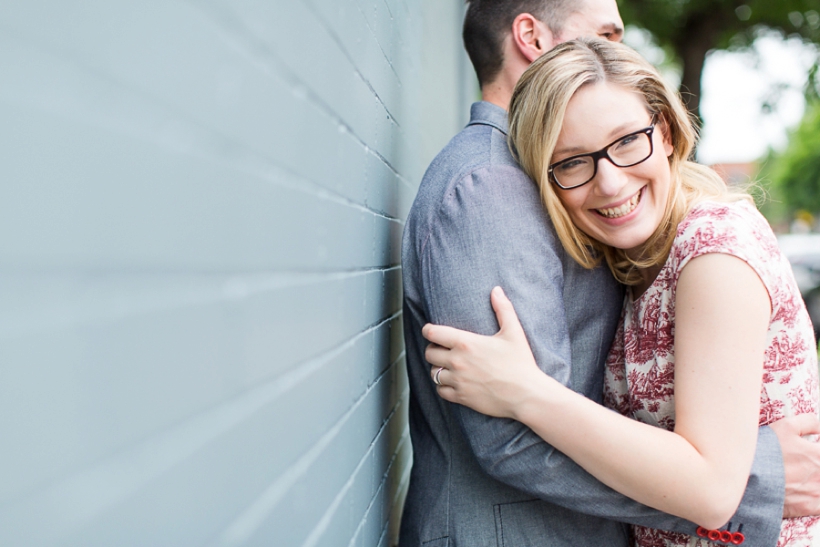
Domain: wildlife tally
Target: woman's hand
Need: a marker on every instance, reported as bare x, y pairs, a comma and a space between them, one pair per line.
493, 375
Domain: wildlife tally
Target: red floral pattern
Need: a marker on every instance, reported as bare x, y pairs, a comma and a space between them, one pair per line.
641, 364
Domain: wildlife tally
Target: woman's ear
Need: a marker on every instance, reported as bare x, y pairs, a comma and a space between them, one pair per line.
531, 37
666, 133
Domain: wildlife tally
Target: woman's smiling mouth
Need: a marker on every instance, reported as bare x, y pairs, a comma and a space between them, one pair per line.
624, 209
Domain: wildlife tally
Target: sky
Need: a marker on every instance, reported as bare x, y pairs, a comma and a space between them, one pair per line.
735, 86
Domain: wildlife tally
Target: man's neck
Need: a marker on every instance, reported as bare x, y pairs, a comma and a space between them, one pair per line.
495, 100
497, 93
500, 90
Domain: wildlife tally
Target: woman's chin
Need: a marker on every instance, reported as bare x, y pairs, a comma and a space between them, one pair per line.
631, 241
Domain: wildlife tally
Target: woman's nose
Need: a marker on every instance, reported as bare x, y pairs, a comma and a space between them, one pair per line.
610, 179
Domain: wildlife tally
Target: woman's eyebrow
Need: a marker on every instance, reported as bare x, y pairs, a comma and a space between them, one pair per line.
571, 150
616, 133
622, 130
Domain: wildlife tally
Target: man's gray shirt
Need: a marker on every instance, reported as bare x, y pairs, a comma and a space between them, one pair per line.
477, 481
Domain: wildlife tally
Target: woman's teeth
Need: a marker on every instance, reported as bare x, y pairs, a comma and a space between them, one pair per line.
624, 209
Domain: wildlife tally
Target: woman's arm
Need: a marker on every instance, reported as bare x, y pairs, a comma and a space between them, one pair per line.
697, 472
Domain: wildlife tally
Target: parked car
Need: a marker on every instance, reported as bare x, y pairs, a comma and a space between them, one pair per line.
803, 252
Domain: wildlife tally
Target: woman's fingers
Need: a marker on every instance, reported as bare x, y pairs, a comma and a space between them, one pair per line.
449, 337
439, 375
447, 393
437, 355
505, 312
444, 380
441, 335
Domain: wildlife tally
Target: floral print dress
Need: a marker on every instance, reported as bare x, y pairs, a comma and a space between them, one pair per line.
641, 364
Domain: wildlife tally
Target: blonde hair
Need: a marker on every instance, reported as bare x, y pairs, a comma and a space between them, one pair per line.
537, 110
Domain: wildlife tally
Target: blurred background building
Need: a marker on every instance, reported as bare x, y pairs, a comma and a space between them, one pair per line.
200, 211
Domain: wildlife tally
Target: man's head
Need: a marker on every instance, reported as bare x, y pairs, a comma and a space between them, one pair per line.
503, 37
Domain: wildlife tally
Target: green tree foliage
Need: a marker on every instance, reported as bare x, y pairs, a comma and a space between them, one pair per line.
794, 174
689, 29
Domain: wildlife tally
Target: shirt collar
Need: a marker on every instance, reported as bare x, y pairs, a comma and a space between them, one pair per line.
484, 113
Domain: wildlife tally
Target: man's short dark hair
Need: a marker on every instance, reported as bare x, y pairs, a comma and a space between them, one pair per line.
488, 22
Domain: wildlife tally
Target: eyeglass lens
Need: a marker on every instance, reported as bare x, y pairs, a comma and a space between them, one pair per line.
629, 150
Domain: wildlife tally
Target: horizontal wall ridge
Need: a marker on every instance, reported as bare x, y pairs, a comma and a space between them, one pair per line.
346, 53
402, 447
262, 54
323, 524
245, 524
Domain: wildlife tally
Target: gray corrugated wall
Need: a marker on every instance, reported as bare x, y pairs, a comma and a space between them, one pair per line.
200, 315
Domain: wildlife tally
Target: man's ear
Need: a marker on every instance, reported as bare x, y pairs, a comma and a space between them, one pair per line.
531, 37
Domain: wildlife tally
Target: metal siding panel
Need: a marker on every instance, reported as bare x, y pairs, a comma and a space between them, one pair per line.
310, 497
209, 469
363, 513
233, 111
133, 205
200, 297
100, 379
348, 27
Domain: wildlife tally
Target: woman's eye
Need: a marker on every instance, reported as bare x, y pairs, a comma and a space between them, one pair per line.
626, 141
572, 164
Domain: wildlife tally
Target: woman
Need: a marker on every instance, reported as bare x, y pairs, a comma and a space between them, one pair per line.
714, 338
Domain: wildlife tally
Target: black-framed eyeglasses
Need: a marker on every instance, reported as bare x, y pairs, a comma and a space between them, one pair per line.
629, 150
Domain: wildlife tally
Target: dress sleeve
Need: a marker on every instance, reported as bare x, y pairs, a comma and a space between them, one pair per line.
735, 229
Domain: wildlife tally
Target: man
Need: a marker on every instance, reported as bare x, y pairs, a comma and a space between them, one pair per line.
478, 222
